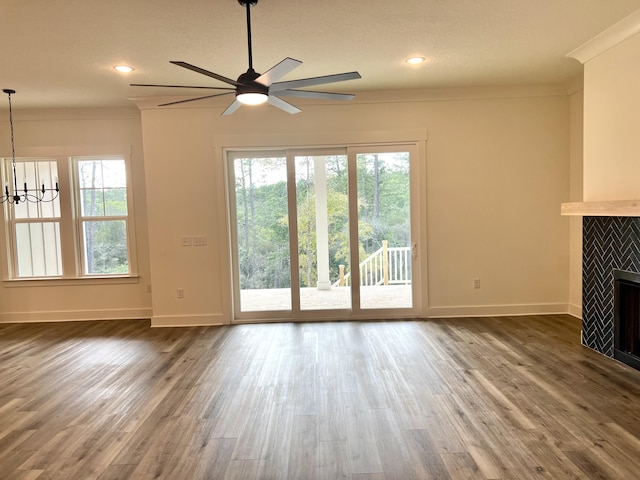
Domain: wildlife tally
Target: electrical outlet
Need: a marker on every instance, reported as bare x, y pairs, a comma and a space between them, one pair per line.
186, 241
476, 283
180, 293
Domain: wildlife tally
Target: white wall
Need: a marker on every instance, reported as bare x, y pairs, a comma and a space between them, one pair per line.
608, 104
575, 195
496, 170
185, 193
80, 132
611, 129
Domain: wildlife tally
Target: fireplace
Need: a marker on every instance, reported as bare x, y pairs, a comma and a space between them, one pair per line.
626, 336
609, 244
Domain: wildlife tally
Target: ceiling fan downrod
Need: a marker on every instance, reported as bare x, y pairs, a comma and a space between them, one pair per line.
253, 88
248, 4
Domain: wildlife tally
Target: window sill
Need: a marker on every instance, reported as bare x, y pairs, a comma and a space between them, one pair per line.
61, 281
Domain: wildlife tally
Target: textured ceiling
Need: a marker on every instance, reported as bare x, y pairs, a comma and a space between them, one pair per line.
60, 53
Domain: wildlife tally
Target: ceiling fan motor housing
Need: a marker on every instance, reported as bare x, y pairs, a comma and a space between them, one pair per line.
252, 88
248, 83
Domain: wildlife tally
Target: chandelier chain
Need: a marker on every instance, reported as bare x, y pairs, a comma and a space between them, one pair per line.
36, 195
13, 147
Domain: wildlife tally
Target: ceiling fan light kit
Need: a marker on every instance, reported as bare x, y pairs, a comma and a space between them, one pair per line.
253, 88
252, 98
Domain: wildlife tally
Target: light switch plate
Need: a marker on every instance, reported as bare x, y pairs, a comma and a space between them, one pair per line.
199, 241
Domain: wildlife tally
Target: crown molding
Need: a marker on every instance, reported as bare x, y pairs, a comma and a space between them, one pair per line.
73, 113
612, 36
385, 96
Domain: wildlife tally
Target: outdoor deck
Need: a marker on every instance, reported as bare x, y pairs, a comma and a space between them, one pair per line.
372, 297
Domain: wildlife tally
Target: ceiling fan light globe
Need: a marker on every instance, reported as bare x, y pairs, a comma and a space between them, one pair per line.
252, 98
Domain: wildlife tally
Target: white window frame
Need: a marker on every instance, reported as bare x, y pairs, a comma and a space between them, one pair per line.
13, 221
81, 271
70, 220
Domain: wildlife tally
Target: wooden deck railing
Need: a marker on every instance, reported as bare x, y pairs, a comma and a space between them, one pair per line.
385, 266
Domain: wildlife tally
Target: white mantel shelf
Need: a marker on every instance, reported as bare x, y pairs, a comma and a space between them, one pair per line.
613, 208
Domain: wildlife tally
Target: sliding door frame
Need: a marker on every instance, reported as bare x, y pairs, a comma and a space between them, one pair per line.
355, 312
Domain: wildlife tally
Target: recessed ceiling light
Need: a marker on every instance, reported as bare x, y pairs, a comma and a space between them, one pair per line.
123, 68
415, 60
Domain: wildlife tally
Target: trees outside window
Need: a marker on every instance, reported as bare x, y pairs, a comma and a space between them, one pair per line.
262, 215
102, 184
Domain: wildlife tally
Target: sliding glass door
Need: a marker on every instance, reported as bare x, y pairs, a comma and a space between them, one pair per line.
384, 229
262, 257
322, 207
299, 220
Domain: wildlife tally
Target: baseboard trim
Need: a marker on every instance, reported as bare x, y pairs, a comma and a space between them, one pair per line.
211, 320
76, 315
220, 319
497, 310
575, 311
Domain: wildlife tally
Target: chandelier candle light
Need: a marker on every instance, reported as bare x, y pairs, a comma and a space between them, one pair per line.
24, 195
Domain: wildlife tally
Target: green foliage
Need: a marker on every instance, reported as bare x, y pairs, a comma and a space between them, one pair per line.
262, 225
263, 233
383, 206
106, 247
103, 193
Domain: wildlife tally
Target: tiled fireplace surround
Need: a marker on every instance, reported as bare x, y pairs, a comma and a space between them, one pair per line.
608, 244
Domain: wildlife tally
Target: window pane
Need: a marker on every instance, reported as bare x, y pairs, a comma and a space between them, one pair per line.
384, 230
102, 173
323, 231
102, 187
263, 234
90, 173
105, 247
35, 173
115, 201
38, 248
114, 174
91, 203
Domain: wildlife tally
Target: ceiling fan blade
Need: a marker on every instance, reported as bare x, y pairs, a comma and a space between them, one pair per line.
306, 82
194, 99
282, 105
278, 71
202, 71
309, 94
178, 86
232, 108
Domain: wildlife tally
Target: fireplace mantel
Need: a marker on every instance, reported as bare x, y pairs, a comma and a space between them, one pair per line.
613, 208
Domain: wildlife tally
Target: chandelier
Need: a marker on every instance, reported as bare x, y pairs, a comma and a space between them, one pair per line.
16, 196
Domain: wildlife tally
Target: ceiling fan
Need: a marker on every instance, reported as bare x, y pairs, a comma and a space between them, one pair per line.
252, 88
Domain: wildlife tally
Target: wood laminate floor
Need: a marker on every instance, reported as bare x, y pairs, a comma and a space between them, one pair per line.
485, 398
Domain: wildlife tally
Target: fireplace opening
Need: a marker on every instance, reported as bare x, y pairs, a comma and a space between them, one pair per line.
626, 335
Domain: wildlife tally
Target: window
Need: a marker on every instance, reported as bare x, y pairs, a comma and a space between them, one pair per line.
102, 187
37, 246
85, 232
